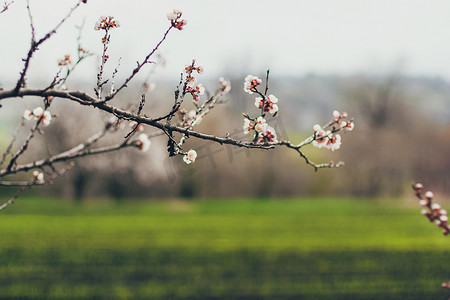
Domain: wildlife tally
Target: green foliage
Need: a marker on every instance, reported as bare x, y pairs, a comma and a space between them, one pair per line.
286, 249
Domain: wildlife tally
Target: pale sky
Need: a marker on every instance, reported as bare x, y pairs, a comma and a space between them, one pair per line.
241, 37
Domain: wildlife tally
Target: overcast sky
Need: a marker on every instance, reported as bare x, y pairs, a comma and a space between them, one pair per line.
242, 37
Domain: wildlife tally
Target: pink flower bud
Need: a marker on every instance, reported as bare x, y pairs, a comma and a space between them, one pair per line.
425, 212
443, 218
418, 186
435, 206
429, 195
443, 212
423, 203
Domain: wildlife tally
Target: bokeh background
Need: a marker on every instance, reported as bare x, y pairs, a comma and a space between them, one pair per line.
238, 223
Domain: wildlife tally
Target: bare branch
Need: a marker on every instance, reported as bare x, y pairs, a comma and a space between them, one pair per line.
24, 146
307, 160
9, 202
139, 66
21, 183
65, 156
11, 143
35, 44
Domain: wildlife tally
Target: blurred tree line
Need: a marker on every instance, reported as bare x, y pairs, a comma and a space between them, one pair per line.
402, 135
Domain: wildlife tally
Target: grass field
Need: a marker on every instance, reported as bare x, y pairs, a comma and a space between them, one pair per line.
221, 249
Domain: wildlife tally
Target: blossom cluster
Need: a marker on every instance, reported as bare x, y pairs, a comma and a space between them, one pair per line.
144, 142
192, 87
264, 132
225, 86
194, 116
38, 114
174, 18
190, 156
267, 104
38, 176
328, 139
250, 84
338, 119
432, 211
106, 23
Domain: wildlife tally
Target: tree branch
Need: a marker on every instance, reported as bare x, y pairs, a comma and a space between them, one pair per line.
35, 44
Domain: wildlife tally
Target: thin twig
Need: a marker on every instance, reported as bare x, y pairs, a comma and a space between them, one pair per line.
35, 44
9, 202
11, 143
139, 66
21, 183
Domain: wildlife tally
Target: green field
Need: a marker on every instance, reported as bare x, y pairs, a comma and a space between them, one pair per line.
221, 249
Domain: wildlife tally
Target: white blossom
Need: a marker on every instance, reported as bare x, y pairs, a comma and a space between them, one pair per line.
174, 15
27, 114
38, 114
261, 125
423, 203
225, 86
268, 135
334, 143
144, 142
325, 139
321, 137
201, 89
349, 126
39, 176
247, 126
435, 206
46, 118
272, 98
250, 83
336, 115
192, 114
267, 104
429, 195
193, 118
190, 157
38, 111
